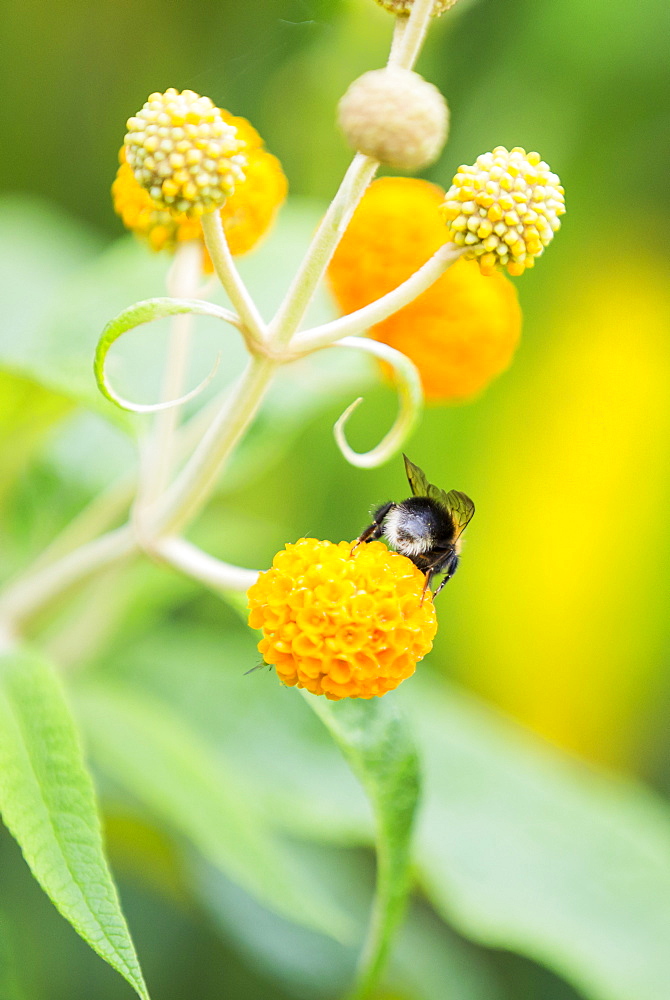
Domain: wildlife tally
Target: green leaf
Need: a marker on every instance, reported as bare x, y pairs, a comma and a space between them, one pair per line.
377, 745
521, 847
149, 751
48, 804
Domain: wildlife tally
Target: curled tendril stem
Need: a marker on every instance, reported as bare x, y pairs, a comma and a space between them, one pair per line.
287, 320
157, 450
145, 312
410, 394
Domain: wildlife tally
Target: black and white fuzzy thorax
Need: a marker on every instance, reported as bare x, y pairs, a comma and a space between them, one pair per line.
418, 526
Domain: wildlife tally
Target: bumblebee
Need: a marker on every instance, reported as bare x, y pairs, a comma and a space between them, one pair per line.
427, 527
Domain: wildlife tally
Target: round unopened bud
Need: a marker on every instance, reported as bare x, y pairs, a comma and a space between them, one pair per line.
396, 116
183, 153
403, 7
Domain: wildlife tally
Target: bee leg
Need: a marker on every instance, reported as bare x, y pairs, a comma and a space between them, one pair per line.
451, 569
376, 529
425, 587
441, 586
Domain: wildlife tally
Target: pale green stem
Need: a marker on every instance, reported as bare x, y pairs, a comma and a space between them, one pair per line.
387, 911
254, 326
362, 319
158, 451
399, 30
201, 566
405, 51
36, 589
194, 484
290, 313
97, 517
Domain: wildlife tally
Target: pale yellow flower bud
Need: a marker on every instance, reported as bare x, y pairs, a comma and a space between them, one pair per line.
505, 209
395, 116
183, 153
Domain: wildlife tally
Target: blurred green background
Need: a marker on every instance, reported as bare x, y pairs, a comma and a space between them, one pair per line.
559, 612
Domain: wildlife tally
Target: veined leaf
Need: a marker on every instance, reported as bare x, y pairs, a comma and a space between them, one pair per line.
377, 745
146, 749
48, 804
521, 847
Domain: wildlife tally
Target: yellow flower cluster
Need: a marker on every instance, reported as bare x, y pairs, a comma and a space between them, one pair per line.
505, 208
246, 215
463, 330
183, 153
343, 624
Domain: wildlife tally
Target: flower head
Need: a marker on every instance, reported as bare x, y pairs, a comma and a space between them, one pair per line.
403, 7
183, 153
464, 329
343, 624
246, 215
505, 208
396, 116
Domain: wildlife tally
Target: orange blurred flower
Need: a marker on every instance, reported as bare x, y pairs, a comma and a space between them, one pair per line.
464, 329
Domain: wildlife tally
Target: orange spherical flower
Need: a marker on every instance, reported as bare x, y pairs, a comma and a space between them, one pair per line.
343, 624
251, 209
246, 215
161, 228
463, 330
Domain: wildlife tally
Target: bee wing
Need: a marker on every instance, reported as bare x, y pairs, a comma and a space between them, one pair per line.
459, 505
417, 480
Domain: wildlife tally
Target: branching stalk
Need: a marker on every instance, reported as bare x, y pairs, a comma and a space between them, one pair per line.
254, 327
194, 484
292, 310
32, 592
